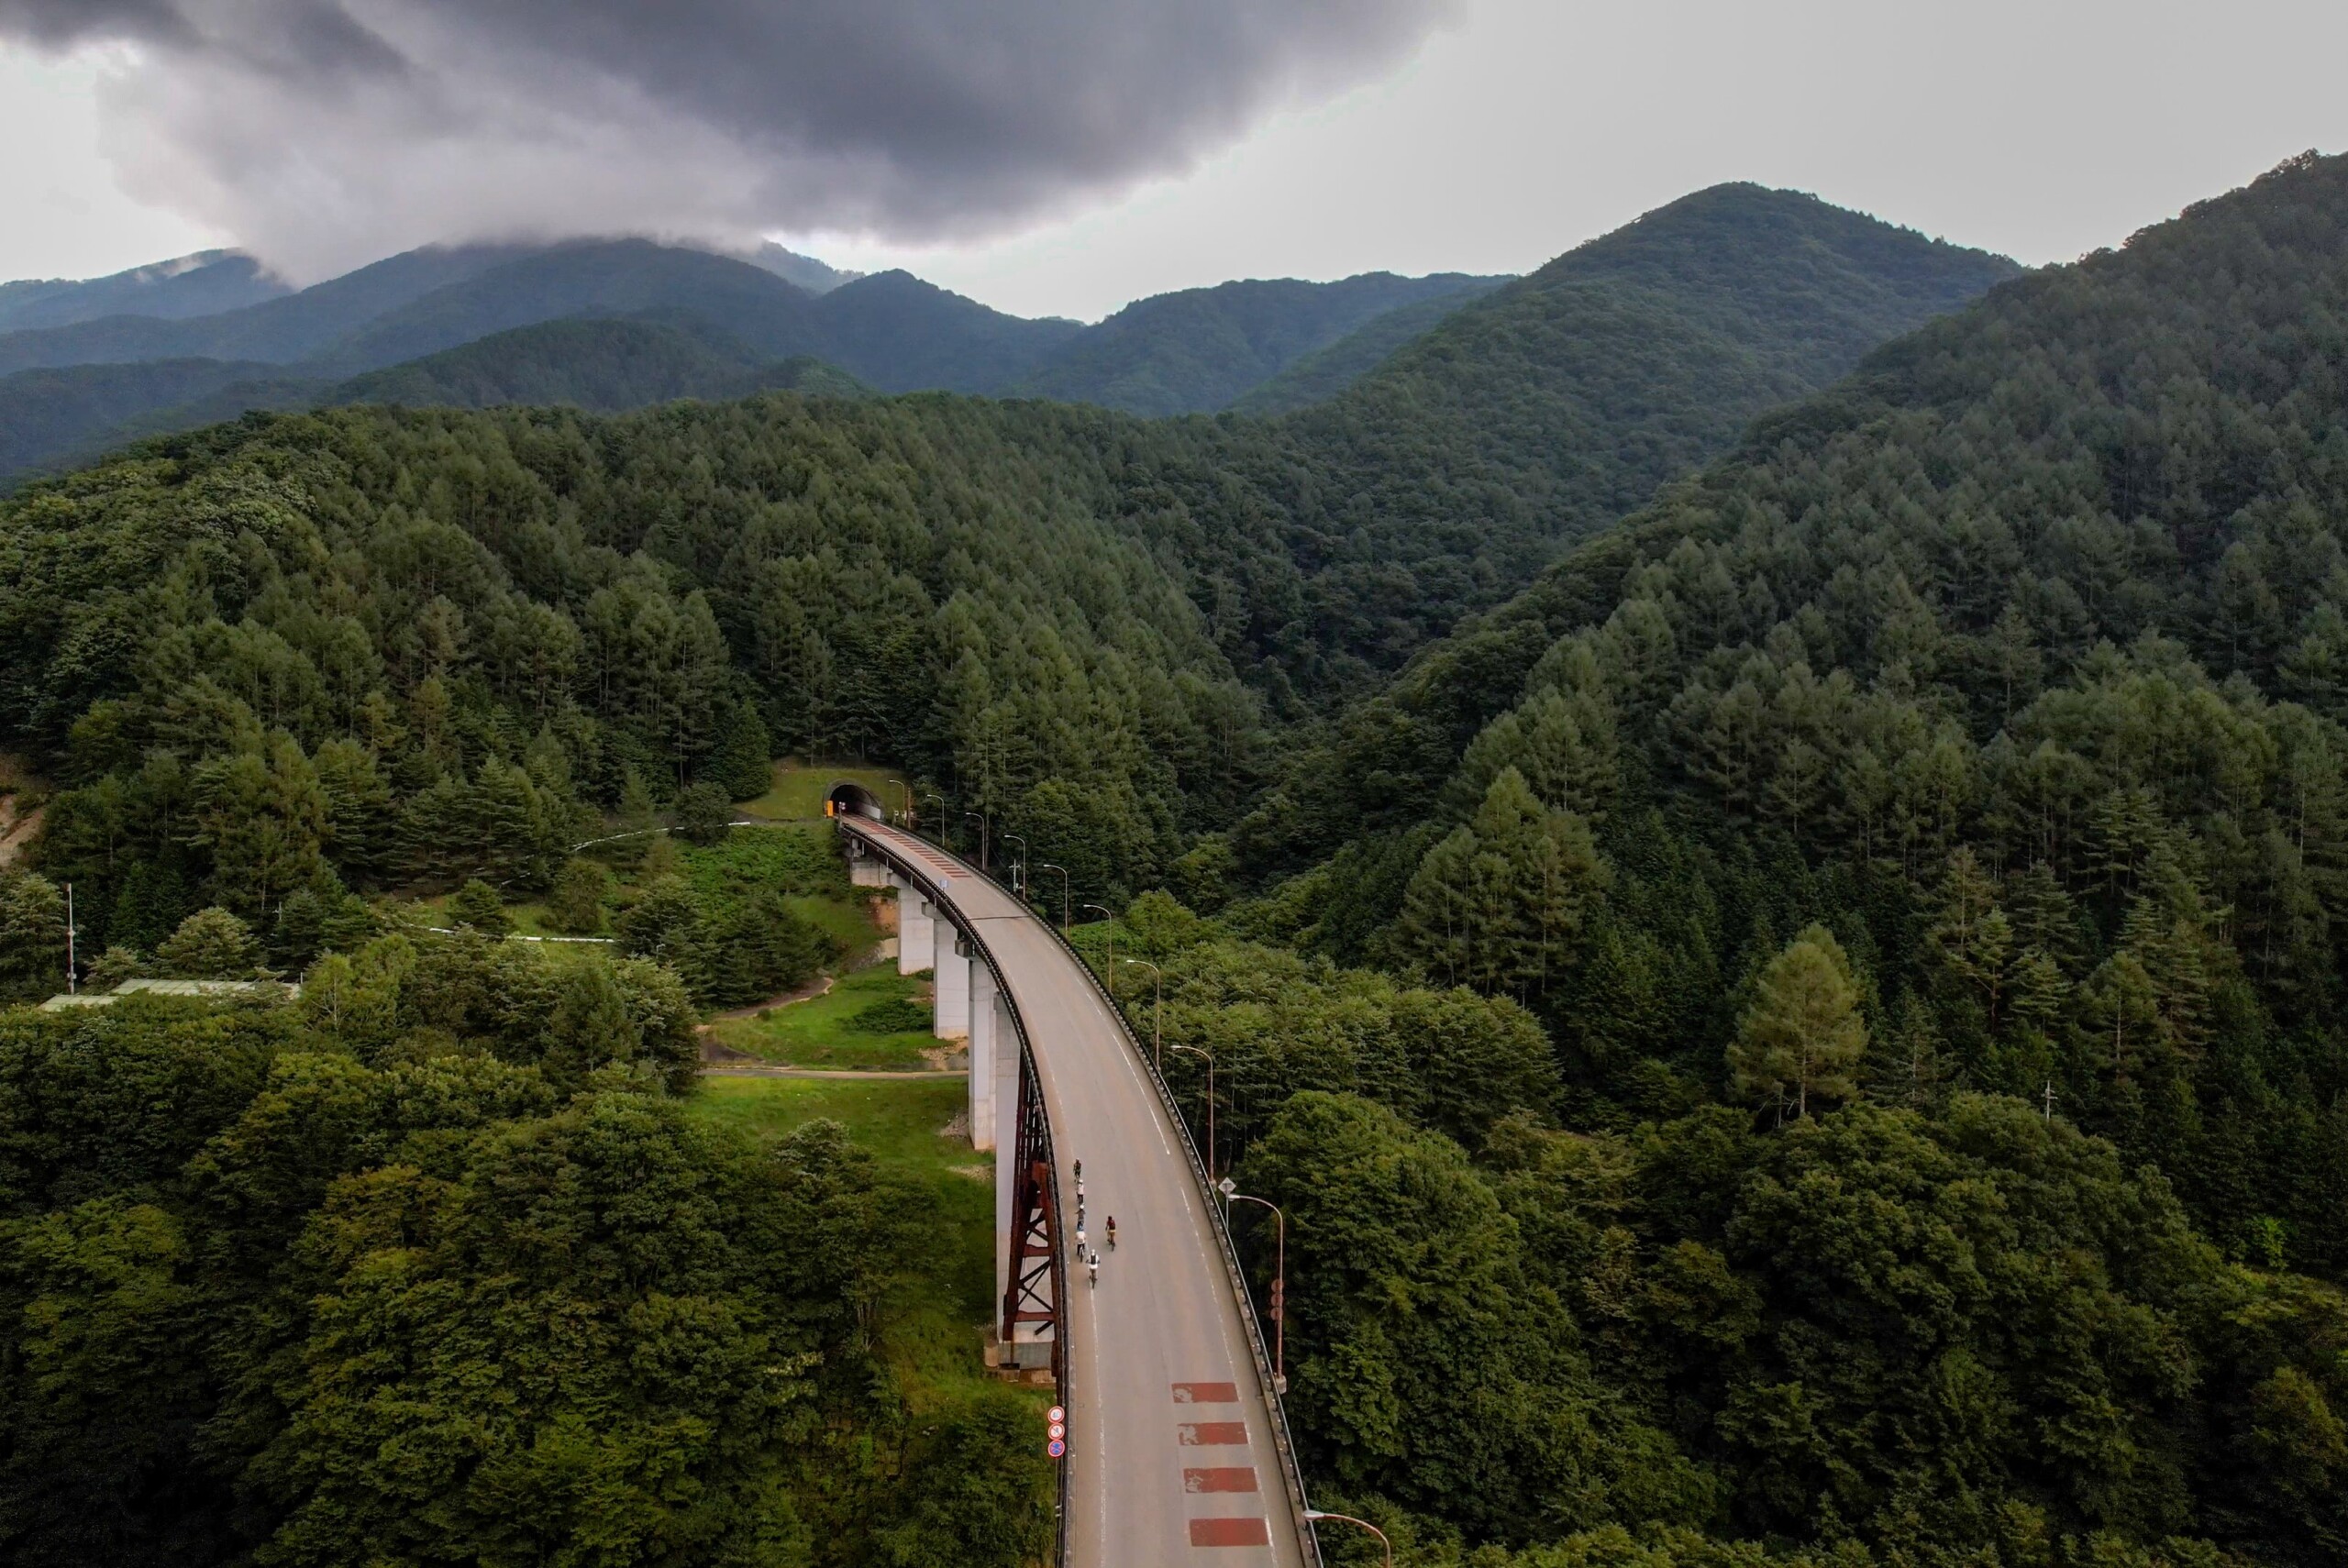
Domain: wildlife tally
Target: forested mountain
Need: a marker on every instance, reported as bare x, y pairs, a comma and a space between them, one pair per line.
203, 284
1201, 349
1924, 839
49, 417
1324, 372
603, 365
1541, 412
533, 607
815, 276
904, 335
293, 327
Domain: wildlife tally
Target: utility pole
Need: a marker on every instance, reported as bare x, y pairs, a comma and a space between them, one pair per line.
2050, 1100
72, 986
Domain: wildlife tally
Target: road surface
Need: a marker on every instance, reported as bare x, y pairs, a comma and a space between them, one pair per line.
1172, 1455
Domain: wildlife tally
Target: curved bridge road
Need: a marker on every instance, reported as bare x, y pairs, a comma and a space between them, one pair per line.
1174, 1440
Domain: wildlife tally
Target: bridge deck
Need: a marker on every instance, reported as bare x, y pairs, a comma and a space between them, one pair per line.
1171, 1454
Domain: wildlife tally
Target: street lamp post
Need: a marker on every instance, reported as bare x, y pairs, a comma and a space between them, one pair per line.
1018, 867
979, 818
933, 795
1316, 1516
1280, 1289
1158, 1015
1109, 916
1047, 866
1195, 1051
906, 794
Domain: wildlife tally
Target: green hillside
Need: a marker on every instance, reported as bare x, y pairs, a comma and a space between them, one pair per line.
1538, 414
279, 331
604, 366
1328, 370
1201, 349
203, 284
904, 335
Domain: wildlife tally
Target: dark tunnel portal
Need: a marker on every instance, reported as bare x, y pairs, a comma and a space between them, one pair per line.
853, 800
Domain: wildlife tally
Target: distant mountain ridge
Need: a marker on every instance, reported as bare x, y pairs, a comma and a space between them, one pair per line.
1549, 400
1197, 351
1190, 351
203, 284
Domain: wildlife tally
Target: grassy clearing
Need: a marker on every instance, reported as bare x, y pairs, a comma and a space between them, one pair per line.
932, 1329
800, 787
815, 1032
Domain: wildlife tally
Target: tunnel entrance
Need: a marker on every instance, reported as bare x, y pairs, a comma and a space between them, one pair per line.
853, 800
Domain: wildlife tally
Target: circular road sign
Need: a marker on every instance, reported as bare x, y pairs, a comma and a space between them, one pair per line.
1057, 1448
1056, 1414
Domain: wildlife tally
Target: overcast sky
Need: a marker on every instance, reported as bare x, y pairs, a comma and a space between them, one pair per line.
1066, 156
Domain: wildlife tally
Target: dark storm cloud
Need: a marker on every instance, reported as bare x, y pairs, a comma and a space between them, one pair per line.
58, 22
315, 126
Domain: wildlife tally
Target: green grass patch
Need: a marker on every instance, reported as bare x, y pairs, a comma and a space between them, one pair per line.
821, 1032
798, 859
800, 788
933, 1324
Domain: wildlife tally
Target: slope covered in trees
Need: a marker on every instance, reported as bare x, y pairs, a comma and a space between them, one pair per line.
1540, 413
203, 284
1325, 372
1963, 762
1198, 350
603, 366
436, 1266
383, 646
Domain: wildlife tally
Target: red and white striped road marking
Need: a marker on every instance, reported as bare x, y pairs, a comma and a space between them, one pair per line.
1249, 1530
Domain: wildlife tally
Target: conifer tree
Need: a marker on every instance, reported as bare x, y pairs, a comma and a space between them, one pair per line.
478, 905
1500, 902
33, 937
210, 944
1802, 1035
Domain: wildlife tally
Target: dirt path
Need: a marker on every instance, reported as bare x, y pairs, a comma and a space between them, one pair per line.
820, 987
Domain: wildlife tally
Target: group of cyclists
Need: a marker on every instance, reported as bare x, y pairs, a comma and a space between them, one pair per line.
1090, 1255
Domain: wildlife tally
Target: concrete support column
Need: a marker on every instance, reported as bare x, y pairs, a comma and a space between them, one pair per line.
1006, 1136
869, 871
983, 1043
950, 977
913, 938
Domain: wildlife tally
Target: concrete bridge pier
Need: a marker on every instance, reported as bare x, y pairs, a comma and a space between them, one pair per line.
914, 935
950, 979
985, 1041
